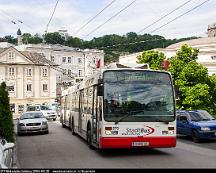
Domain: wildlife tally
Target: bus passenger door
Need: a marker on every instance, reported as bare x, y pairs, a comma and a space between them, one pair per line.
81, 111
95, 116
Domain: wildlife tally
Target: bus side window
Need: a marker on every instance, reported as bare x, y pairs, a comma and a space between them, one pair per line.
100, 108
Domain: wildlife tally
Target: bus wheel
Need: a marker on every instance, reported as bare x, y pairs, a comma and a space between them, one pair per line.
89, 139
72, 128
63, 125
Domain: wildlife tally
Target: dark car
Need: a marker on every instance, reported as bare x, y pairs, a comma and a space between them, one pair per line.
198, 124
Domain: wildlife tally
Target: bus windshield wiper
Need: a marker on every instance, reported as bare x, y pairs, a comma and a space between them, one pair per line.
125, 116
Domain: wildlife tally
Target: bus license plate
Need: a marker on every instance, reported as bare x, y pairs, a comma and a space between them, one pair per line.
140, 144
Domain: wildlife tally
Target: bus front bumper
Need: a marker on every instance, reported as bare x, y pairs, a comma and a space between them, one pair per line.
134, 142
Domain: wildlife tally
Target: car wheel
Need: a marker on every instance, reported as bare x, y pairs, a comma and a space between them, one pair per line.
195, 136
89, 139
54, 119
46, 132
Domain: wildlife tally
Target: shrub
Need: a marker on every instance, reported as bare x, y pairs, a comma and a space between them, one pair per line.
6, 120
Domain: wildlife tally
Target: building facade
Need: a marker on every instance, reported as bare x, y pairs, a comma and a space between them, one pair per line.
74, 64
30, 78
207, 51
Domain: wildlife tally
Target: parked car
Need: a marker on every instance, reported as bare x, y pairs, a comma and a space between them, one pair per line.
6, 154
30, 122
46, 111
198, 124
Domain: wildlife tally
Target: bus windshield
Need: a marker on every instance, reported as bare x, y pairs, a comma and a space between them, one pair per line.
138, 96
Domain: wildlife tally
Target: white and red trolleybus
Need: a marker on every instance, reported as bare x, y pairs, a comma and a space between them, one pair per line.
122, 108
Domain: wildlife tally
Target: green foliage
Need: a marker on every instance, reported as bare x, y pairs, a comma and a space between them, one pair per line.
196, 97
6, 120
74, 42
197, 89
27, 38
54, 38
153, 58
128, 43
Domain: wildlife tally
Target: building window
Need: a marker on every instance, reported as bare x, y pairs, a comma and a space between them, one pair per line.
69, 59
29, 87
64, 71
79, 60
52, 58
213, 57
69, 72
10, 88
12, 107
20, 108
80, 72
11, 71
45, 88
11, 56
45, 72
64, 59
29, 72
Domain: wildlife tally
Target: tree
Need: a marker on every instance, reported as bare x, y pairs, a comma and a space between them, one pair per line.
10, 39
6, 120
192, 80
54, 38
153, 58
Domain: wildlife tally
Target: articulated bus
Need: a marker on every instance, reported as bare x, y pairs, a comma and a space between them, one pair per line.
122, 108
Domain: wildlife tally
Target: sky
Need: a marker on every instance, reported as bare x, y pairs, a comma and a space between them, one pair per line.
73, 14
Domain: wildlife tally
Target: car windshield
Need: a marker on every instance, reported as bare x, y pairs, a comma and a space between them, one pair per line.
31, 116
200, 116
138, 96
45, 108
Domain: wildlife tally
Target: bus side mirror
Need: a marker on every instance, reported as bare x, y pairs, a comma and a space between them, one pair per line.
100, 90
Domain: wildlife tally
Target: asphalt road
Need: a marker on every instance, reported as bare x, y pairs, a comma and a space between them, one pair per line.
60, 149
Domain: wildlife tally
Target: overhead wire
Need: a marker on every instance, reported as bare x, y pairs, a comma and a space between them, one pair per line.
90, 20
127, 6
51, 15
199, 5
179, 16
156, 21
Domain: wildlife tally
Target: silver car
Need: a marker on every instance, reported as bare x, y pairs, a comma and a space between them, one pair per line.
46, 111
30, 122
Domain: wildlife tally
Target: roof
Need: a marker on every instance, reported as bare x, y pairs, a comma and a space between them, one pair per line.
2, 50
194, 42
37, 58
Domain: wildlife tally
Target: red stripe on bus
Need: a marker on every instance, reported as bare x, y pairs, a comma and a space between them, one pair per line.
126, 142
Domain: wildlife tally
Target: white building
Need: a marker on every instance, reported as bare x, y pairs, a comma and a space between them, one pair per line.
206, 56
130, 60
73, 62
30, 78
207, 51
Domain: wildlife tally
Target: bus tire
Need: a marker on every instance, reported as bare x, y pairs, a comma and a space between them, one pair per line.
89, 139
63, 125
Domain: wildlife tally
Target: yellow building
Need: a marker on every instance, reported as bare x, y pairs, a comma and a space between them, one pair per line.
30, 78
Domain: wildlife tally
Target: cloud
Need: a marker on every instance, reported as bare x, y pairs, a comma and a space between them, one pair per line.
73, 14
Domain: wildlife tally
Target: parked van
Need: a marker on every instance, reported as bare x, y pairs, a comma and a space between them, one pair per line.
46, 110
